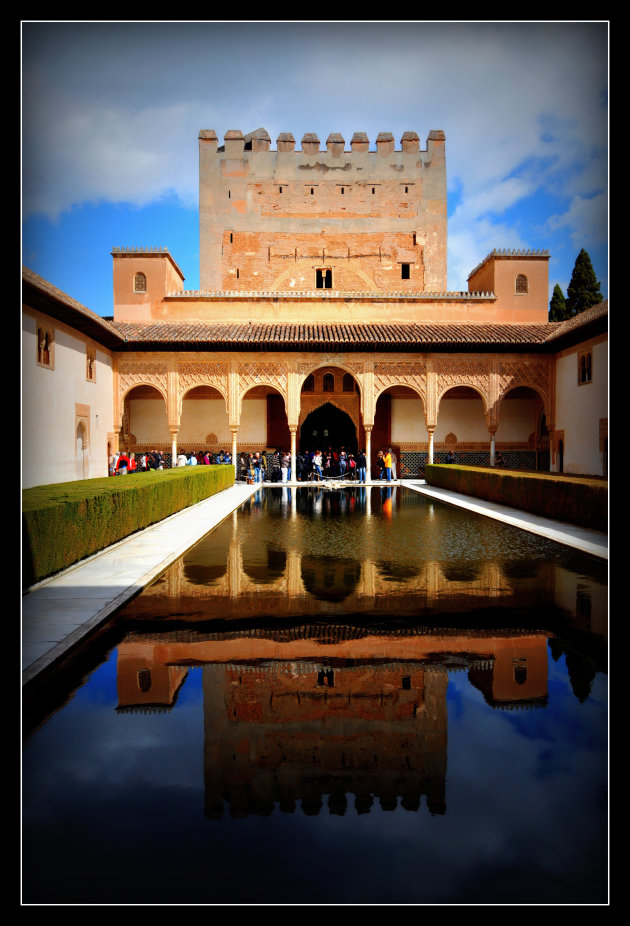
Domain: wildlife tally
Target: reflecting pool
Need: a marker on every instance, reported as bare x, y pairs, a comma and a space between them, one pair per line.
337, 696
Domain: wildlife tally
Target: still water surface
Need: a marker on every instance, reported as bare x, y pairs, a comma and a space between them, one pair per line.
337, 696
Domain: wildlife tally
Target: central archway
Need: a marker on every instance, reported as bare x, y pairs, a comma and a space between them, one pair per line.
328, 426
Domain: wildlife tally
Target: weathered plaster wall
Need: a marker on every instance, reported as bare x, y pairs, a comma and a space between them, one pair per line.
55, 399
581, 408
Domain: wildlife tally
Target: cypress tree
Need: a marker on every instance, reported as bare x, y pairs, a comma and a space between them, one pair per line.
557, 305
583, 291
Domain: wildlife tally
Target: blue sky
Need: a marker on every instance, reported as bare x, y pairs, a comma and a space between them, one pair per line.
111, 112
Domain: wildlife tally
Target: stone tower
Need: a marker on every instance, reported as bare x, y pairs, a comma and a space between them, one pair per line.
301, 220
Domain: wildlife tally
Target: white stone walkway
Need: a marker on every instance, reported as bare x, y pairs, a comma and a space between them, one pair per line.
59, 612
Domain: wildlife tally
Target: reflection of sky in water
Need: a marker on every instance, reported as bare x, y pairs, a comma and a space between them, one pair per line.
121, 795
113, 801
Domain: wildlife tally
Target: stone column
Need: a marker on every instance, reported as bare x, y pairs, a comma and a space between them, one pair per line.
492, 448
368, 452
173, 448
431, 430
234, 451
293, 431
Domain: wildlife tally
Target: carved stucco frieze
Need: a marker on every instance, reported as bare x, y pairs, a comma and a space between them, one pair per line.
200, 373
141, 373
263, 373
459, 371
535, 372
401, 373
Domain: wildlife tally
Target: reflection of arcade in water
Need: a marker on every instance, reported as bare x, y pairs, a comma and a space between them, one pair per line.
296, 554
326, 622
325, 713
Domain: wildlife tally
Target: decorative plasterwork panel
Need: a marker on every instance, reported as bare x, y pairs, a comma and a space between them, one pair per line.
199, 373
474, 372
257, 374
141, 373
400, 373
535, 372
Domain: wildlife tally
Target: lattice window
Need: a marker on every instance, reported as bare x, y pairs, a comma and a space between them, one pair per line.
139, 283
520, 285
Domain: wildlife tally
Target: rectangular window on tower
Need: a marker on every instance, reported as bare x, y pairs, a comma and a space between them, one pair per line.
405, 271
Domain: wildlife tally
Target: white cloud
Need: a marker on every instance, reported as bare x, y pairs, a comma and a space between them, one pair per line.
586, 220
112, 111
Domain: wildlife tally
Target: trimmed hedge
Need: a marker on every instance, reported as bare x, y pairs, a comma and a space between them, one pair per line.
64, 523
573, 499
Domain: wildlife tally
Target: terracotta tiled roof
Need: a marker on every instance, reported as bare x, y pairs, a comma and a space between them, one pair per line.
595, 313
44, 297
351, 336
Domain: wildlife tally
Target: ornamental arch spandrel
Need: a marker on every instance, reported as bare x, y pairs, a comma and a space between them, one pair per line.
133, 373
274, 374
537, 373
194, 373
453, 373
409, 373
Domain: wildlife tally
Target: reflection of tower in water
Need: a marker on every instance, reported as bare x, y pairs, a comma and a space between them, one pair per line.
278, 734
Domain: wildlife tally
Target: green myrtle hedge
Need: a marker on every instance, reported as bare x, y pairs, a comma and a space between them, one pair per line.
64, 523
574, 499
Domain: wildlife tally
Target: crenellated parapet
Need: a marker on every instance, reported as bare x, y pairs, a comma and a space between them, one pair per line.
236, 142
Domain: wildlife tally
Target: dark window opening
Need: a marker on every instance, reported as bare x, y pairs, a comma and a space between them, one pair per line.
312, 191
406, 682
373, 190
231, 238
329, 382
348, 382
309, 384
323, 279
405, 271
584, 368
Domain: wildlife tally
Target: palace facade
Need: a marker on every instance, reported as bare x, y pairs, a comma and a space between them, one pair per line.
323, 320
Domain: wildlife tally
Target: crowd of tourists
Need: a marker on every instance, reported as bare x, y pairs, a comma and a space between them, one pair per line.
314, 465
123, 462
268, 465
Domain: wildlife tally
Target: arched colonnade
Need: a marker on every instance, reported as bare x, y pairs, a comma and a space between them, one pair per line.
301, 383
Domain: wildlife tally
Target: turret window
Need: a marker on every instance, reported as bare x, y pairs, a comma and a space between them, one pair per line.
521, 284
139, 283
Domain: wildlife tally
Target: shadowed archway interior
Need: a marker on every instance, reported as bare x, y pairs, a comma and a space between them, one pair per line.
328, 426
